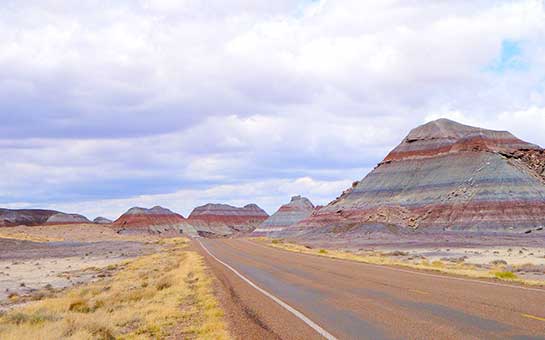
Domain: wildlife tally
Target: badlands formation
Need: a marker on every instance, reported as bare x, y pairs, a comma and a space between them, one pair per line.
156, 220
33, 217
224, 219
102, 220
444, 176
289, 214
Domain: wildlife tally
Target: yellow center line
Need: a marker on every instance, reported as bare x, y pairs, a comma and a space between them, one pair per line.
529, 316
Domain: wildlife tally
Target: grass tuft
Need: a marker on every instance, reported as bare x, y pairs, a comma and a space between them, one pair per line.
506, 275
167, 294
374, 257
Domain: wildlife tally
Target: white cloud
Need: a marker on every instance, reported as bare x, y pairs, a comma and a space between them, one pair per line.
268, 194
101, 101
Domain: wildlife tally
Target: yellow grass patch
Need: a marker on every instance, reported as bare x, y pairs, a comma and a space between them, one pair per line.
462, 269
151, 297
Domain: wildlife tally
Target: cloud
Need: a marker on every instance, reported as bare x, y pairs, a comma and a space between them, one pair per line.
130, 99
269, 194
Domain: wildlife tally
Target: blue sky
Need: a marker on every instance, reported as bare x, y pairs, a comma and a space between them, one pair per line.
180, 103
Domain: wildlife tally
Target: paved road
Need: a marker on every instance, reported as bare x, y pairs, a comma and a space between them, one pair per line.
358, 301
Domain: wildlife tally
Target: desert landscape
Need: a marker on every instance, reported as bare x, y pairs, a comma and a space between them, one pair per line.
468, 224
283, 170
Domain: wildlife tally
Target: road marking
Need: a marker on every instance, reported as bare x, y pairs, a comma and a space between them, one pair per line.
419, 291
416, 272
529, 316
289, 308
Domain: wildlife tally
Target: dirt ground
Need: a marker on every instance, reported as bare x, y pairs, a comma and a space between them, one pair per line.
56, 257
524, 255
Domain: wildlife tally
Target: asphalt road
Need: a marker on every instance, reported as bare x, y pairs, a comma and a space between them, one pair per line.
350, 300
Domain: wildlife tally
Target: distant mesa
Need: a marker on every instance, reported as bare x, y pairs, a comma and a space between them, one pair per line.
157, 220
36, 217
102, 220
444, 176
287, 215
225, 220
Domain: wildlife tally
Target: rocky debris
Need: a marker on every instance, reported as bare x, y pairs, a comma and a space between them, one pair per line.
226, 220
156, 220
35, 217
289, 214
102, 220
446, 176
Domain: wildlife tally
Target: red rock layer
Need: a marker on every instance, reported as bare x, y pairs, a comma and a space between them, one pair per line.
156, 220
224, 219
447, 176
143, 221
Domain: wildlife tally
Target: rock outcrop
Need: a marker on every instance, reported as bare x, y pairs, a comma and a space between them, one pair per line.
445, 176
34, 217
287, 215
102, 220
225, 220
156, 220
62, 218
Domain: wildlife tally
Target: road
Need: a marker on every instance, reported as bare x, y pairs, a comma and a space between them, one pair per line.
351, 300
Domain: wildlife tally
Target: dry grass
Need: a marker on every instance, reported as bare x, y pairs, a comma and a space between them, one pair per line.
453, 268
70, 232
27, 237
151, 297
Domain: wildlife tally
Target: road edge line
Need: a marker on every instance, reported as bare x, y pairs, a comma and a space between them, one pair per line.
289, 308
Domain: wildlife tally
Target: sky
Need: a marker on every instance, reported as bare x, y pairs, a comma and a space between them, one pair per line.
109, 105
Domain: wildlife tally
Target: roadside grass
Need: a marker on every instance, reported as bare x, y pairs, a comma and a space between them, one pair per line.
152, 297
506, 275
498, 272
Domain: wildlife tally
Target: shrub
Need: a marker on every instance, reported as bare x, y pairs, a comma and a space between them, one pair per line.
437, 264
322, 251
35, 318
505, 275
499, 263
163, 283
276, 241
79, 306
530, 268
397, 253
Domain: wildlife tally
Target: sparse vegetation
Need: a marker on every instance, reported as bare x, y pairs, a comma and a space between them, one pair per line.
505, 275
447, 267
151, 297
499, 263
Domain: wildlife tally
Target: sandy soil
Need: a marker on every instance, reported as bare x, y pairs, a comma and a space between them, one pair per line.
523, 255
63, 256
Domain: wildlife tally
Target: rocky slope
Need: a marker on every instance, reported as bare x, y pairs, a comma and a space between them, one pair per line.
156, 220
444, 176
102, 220
62, 218
34, 217
287, 215
224, 220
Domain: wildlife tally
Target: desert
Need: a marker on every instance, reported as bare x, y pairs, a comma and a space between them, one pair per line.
284, 170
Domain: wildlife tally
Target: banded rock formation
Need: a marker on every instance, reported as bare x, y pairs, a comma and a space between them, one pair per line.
35, 217
287, 215
225, 220
62, 218
102, 220
156, 220
445, 176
